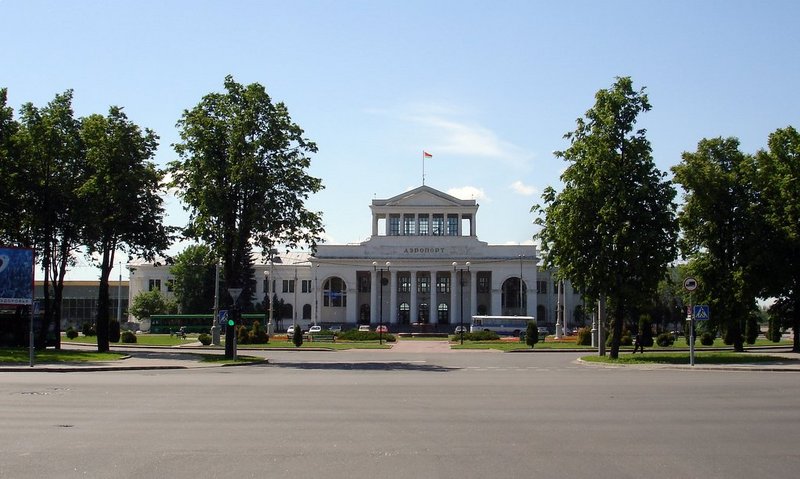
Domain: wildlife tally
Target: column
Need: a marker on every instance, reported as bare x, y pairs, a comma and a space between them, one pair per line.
393, 296
473, 294
455, 290
414, 305
373, 297
434, 310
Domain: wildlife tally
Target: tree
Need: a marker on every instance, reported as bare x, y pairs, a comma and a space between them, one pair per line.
720, 224
9, 175
124, 210
242, 175
779, 179
50, 170
148, 303
194, 270
611, 231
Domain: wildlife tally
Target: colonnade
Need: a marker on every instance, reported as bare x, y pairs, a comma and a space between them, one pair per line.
392, 315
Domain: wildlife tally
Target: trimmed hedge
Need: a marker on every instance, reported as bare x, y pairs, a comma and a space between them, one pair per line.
356, 335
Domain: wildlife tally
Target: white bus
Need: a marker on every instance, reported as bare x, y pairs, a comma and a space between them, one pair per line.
500, 324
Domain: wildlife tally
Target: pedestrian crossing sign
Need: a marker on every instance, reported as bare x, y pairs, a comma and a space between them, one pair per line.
701, 312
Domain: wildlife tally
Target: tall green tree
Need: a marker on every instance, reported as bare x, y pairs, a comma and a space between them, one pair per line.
720, 223
242, 176
124, 208
194, 270
9, 175
50, 170
778, 175
611, 230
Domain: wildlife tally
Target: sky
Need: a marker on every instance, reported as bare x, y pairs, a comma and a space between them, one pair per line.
489, 88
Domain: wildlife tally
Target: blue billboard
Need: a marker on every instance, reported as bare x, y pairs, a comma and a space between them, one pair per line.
16, 276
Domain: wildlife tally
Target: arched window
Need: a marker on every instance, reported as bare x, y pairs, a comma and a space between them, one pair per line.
443, 316
404, 313
514, 299
334, 293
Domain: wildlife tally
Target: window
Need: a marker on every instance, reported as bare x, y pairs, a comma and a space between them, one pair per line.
288, 286
443, 284
423, 284
394, 225
423, 225
267, 287
438, 225
334, 293
155, 285
170, 285
452, 225
409, 225
364, 283
305, 286
306, 311
405, 313
443, 315
403, 283
483, 283
541, 287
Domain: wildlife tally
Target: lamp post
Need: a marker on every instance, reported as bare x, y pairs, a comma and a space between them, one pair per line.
461, 305
380, 309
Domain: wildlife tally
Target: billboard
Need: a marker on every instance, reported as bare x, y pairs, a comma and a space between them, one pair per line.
16, 276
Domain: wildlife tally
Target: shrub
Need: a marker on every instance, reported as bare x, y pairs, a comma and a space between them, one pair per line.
531, 334
113, 331
258, 335
88, 329
665, 340
297, 337
481, 336
71, 333
774, 331
356, 335
242, 335
584, 337
205, 339
752, 329
707, 339
624, 340
646, 330
128, 337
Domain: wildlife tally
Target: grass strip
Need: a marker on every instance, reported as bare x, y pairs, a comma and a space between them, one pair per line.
22, 355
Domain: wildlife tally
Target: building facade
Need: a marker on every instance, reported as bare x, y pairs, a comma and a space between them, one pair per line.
422, 267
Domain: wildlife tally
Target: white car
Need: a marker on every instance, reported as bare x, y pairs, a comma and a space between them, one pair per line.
315, 329
290, 331
364, 327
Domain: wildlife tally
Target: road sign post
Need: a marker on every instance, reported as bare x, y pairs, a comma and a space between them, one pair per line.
690, 284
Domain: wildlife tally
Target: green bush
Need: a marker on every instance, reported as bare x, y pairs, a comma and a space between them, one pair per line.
584, 337
707, 339
531, 334
665, 340
752, 329
243, 335
356, 335
113, 331
205, 339
71, 333
774, 331
624, 340
481, 336
258, 335
128, 337
297, 337
646, 330
88, 329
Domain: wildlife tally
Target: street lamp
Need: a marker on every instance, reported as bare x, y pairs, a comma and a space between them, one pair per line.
380, 317
461, 306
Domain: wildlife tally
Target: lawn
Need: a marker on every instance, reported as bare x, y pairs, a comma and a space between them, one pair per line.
569, 343
22, 355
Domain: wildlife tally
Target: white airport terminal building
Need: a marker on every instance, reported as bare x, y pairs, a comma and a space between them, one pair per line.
423, 268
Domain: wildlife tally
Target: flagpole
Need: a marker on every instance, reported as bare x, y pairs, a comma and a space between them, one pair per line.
423, 167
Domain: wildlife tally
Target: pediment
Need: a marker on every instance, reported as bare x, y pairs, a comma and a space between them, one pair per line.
424, 196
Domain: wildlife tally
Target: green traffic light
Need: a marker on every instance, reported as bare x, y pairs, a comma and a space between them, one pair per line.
230, 322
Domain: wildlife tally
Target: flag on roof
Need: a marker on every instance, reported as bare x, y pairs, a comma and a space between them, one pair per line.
426, 154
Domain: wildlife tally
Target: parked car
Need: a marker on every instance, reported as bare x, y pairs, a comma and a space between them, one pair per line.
542, 331
314, 329
290, 331
337, 328
382, 329
460, 328
364, 327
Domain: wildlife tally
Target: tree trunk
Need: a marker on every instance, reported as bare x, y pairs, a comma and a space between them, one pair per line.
103, 299
796, 322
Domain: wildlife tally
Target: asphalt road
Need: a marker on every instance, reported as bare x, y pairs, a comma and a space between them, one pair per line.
365, 414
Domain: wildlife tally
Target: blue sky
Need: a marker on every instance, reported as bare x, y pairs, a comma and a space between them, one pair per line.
488, 87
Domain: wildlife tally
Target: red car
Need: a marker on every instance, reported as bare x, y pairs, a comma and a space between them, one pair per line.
382, 329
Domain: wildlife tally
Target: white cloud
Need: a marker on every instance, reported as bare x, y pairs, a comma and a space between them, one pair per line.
523, 189
468, 193
453, 136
